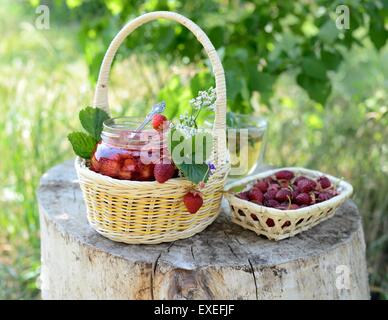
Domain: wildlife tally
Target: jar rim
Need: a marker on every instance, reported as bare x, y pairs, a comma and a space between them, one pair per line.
124, 123
121, 131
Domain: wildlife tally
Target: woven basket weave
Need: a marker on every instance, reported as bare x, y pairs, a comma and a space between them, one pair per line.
151, 212
286, 223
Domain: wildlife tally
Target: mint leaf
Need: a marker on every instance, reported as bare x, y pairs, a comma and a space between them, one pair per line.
83, 144
92, 120
195, 172
183, 153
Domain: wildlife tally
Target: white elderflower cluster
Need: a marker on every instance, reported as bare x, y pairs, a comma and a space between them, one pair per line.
187, 131
187, 120
205, 99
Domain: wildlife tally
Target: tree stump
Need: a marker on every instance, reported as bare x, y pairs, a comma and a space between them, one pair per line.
223, 262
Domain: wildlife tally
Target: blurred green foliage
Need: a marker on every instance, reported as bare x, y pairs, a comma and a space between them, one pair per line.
257, 40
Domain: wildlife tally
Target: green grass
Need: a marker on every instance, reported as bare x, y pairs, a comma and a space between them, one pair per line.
44, 82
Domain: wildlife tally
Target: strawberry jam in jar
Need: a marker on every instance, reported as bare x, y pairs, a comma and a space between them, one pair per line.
126, 154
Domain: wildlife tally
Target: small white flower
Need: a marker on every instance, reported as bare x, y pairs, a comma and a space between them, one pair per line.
205, 99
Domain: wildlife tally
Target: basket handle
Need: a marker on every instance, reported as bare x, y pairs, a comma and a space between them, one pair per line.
101, 93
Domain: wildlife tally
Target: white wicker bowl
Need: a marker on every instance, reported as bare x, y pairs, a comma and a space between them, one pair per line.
286, 223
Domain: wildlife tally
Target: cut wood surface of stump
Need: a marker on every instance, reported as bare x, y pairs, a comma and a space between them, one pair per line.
222, 262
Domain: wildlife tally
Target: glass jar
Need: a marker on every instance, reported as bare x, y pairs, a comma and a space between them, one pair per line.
246, 141
126, 154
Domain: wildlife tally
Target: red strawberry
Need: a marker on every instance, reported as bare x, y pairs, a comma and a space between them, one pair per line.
284, 175
256, 195
283, 195
125, 175
109, 168
306, 185
129, 164
270, 194
262, 185
294, 194
108, 152
287, 206
299, 178
324, 196
164, 171
271, 203
159, 122
274, 186
316, 193
284, 183
145, 172
324, 182
128, 154
269, 180
193, 201
243, 195
303, 198
332, 192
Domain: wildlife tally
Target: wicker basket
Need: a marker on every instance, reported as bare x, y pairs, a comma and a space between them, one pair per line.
151, 212
286, 223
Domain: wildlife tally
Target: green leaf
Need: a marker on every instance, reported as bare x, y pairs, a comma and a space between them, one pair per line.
234, 84
185, 154
378, 34
328, 32
260, 81
83, 144
167, 34
217, 35
377, 31
92, 120
195, 172
202, 79
331, 59
314, 68
318, 90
